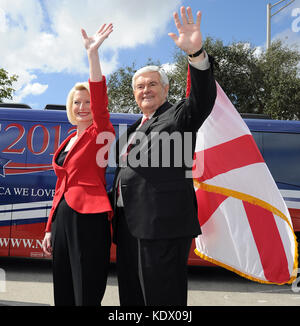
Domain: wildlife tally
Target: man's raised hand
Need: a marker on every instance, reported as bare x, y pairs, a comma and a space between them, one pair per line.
189, 38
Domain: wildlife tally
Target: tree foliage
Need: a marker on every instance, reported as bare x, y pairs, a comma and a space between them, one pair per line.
120, 91
264, 82
6, 82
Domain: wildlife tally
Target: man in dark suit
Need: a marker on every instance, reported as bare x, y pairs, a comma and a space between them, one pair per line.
154, 199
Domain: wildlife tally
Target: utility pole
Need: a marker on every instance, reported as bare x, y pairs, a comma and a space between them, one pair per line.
270, 15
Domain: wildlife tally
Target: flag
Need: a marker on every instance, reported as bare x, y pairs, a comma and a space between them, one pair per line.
246, 226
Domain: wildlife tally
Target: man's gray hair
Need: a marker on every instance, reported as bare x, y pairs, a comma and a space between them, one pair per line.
163, 76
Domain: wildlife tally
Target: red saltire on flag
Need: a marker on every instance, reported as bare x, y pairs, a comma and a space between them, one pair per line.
246, 226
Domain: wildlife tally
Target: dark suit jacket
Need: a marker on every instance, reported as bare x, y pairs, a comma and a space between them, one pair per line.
160, 201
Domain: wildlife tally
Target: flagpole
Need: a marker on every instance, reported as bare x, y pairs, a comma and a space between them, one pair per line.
270, 15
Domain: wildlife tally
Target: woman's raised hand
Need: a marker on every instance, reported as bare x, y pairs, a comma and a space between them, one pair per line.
92, 43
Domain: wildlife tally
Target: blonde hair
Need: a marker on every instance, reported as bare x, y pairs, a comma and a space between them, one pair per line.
78, 87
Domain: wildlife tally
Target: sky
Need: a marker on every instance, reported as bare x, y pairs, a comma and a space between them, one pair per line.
40, 40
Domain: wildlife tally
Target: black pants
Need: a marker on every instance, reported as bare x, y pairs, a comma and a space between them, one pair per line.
81, 254
151, 272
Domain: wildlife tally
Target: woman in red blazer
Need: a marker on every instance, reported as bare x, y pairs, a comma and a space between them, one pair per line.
78, 230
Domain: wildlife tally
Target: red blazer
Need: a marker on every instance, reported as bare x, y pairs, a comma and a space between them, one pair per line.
80, 179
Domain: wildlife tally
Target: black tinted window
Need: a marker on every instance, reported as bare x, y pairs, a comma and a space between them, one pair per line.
281, 152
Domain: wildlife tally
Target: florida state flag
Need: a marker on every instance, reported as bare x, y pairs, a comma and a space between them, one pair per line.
246, 226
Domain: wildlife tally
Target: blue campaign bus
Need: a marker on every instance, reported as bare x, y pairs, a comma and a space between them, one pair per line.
29, 138
28, 141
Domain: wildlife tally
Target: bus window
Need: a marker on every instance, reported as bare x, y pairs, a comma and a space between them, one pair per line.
258, 139
110, 171
282, 154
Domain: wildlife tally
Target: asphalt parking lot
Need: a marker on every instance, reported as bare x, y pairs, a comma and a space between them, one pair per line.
27, 282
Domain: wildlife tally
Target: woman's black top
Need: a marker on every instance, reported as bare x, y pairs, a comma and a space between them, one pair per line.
61, 157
